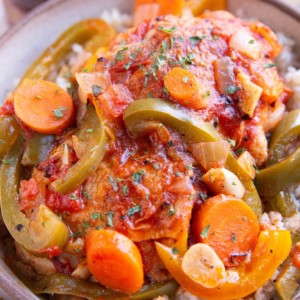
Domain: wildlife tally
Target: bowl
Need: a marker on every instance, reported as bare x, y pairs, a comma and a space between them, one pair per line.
20, 46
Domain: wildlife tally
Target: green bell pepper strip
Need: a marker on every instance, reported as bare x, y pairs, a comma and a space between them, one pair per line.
284, 203
192, 130
46, 230
9, 131
92, 134
65, 284
37, 149
282, 171
95, 30
286, 132
288, 281
270, 181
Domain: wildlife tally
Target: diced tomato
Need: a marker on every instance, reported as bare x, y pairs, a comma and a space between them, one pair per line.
7, 109
296, 255
51, 251
72, 202
28, 193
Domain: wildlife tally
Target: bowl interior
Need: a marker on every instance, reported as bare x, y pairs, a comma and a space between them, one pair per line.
21, 45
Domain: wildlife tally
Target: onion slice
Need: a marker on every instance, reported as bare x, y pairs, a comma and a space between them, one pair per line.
247, 162
211, 154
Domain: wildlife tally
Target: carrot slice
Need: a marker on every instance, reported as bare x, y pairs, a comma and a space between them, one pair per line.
229, 226
43, 106
148, 9
114, 260
184, 87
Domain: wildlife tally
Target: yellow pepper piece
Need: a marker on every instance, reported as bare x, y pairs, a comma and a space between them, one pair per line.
199, 6
90, 64
239, 282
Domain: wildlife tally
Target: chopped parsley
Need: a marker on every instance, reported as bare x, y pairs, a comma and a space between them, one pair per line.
113, 183
189, 167
138, 176
164, 46
131, 211
233, 237
178, 174
125, 190
119, 55
171, 211
207, 94
256, 169
231, 142
76, 234
128, 65
251, 42
205, 231
231, 89
240, 151
86, 224
95, 216
73, 197
167, 30
96, 90
268, 65
86, 195
7, 161
58, 113
156, 166
216, 37
175, 251
165, 91
203, 196
109, 216
89, 130
197, 38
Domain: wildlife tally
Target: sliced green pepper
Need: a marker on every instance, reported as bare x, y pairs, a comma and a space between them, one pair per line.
9, 131
193, 131
283, 171
64, 284
279, 177
287, 281
92, 134
285, 204
286, 132
46, 230
37, 149
95, 30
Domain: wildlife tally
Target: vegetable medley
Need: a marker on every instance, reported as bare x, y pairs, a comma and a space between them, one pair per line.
151, 171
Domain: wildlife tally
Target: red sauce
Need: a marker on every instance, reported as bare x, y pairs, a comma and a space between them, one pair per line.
8, 108
72, 202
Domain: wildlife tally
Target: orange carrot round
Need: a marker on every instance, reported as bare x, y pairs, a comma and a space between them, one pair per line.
229, 226
43, 106
114, 260
183, 86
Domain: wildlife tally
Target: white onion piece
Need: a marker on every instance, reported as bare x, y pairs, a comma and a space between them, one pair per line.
182, 186
86, 81
250, 94
211, 154
275, 115
224, 73
222, 181
243, 42
247, 162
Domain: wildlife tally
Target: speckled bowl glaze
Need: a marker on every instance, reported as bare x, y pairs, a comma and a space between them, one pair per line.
22, 44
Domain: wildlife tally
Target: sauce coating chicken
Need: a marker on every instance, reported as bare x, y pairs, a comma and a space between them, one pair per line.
146, 188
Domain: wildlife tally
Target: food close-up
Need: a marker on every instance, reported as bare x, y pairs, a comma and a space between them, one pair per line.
155, 156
